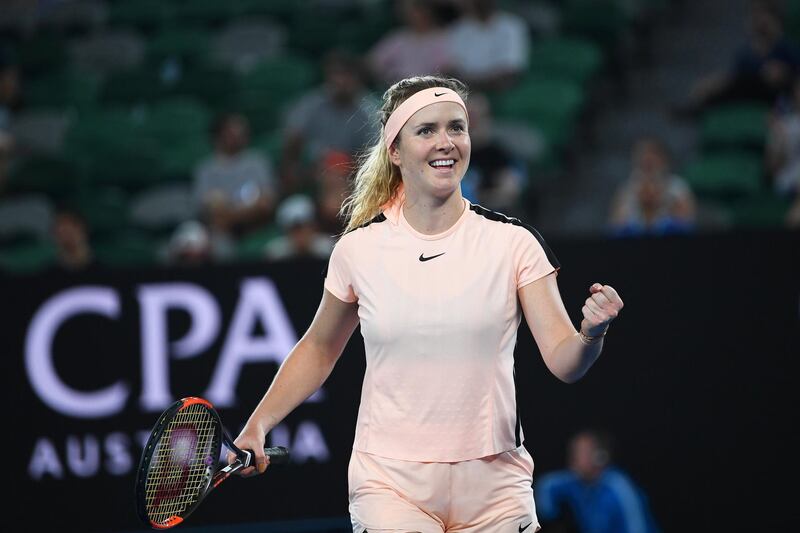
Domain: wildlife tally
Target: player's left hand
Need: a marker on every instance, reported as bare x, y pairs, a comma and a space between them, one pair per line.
601, 307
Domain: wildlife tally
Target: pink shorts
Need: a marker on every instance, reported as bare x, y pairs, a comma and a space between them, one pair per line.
486, 495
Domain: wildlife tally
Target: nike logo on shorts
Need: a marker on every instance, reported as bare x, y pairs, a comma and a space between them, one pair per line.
521, 528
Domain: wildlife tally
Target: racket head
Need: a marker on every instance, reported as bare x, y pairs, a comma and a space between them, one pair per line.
178, 462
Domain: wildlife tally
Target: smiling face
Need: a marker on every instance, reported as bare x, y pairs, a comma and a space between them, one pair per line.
433, 150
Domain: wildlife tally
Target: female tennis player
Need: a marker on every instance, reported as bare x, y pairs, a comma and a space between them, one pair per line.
439, 286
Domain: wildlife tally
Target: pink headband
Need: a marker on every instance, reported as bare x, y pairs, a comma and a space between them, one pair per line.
414, 103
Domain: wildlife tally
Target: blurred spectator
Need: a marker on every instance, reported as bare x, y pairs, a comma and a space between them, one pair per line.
297, 219
10, 93
333, 181
190, 244
783, 146
417, 48
71, 238
762, 69
592, 496
234, 187
489, 47
494, 178
339, 115
653, 200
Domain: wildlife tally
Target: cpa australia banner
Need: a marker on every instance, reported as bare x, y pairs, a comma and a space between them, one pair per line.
93, 360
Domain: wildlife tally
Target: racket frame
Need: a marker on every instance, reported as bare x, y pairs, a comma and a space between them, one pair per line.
243, 459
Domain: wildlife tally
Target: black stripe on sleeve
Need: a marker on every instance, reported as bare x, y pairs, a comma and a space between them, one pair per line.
500, 217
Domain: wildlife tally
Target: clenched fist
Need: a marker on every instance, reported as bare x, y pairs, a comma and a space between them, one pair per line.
601, 307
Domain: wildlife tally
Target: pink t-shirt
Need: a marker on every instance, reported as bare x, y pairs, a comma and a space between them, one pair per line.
439, 316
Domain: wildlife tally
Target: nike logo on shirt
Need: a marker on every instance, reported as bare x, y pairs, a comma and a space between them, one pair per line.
521, 529
423, 258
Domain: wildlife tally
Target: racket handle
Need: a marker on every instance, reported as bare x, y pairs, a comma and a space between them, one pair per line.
278, 455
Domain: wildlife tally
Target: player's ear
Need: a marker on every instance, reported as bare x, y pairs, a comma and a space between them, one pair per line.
394, 153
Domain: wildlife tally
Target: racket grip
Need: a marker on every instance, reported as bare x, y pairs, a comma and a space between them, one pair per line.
278, 455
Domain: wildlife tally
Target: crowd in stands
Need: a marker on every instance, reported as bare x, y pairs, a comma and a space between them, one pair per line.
180, 132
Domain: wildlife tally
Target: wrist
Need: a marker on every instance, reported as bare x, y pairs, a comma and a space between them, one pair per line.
589, 340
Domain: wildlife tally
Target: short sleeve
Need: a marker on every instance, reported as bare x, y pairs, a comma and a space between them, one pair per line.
533, 258
338, 276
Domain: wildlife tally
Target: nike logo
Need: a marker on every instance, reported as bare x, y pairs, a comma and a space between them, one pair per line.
521, 529
438, 94
423, 258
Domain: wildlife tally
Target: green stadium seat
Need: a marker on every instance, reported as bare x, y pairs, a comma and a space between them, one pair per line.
742, 125
566, 58
52, 176
110, 149
602, 21
552, 106
206, 13
269, 89
127, 249
764, 210
251, 247
132, 87
191, 46
63, 89
27, 258
213, 85
793, 19
725, 175
144, 15
42, 54
105, 210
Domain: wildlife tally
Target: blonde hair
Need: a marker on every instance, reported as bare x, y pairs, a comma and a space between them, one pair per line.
377, 178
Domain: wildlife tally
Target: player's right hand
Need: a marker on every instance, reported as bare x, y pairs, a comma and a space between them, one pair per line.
251, 438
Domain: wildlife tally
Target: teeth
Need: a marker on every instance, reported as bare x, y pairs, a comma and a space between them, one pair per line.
442, 163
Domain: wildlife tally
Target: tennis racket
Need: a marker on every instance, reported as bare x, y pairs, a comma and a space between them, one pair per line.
180, 463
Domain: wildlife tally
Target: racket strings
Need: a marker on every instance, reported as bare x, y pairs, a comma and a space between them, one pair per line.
182, 464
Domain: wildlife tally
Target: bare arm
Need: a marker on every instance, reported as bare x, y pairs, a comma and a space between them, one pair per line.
564, 353
305, 369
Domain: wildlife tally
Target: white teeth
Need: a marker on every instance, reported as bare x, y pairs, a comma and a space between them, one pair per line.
442, 163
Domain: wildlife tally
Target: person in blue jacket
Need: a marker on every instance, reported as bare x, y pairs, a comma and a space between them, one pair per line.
592, 496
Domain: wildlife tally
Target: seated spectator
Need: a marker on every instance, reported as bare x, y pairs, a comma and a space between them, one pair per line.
495, 177
417, 48
71, 238
783, 146
592, 496
762, 69
489, 47
653, 200
234, 188
336, 116
190, 244
297, 219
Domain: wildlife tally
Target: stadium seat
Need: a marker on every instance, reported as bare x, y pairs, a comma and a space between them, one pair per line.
551, 106
27, 258
733, 126
190, 46
725, 175
573, 59
49, 175
75, 89
143, 15
602, 21
764, 210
